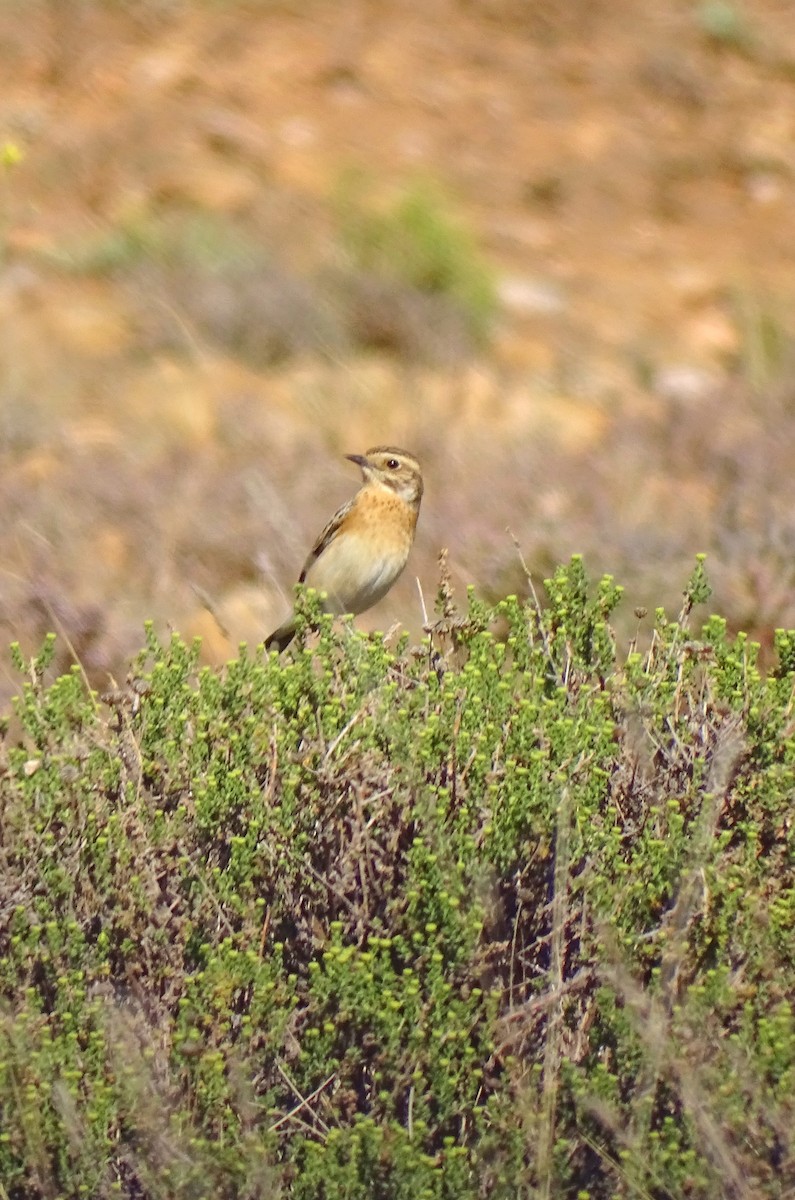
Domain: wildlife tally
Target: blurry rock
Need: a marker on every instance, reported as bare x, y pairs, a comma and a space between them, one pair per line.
170, 64
297, 131
233, 133
685, 383
89, 432
530, 297
593, 134
712, 331
694, 284
766, 187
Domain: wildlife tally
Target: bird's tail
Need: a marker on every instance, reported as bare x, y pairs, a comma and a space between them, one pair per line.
280, 638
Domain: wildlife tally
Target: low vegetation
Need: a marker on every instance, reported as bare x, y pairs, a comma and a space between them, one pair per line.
509, 914
406, 277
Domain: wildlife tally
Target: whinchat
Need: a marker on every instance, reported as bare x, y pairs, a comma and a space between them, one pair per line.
365, 545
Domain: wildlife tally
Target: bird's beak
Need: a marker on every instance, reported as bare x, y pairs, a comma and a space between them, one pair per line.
359, 459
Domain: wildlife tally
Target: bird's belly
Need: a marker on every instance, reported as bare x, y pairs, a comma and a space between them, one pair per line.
383, 574
355, 574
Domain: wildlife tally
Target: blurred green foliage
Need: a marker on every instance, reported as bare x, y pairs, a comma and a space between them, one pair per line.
415, 239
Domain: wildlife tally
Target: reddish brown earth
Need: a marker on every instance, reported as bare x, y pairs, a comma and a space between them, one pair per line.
627, 168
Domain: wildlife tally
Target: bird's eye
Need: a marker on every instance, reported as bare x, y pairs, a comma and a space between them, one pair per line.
393, 463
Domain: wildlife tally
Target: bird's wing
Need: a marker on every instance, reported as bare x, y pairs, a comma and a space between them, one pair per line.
326, 537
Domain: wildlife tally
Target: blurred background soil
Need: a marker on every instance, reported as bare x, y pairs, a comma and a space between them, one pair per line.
549, 248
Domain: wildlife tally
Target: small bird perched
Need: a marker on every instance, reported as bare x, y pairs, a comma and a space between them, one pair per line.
364, 547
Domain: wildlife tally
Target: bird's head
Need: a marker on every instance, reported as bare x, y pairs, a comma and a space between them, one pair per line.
392, 468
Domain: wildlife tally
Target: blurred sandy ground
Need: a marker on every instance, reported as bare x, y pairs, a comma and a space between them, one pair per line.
172, 421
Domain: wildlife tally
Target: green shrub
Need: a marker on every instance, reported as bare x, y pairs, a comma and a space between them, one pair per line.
497, 916
415, 240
